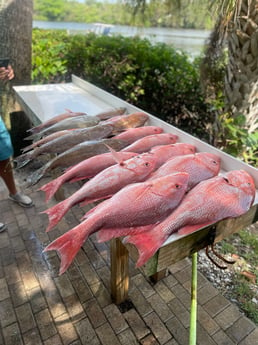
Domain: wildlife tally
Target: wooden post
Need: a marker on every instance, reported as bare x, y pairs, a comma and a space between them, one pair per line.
119, 271
158, 275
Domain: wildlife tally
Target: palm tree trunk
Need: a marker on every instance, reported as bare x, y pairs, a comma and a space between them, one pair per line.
241, 83
15, 43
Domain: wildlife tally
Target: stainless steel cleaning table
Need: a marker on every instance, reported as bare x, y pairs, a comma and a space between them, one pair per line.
41, 102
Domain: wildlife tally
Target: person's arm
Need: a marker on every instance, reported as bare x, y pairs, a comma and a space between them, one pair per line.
6, 73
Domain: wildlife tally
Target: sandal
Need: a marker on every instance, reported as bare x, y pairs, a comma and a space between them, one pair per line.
21, 199
3, 227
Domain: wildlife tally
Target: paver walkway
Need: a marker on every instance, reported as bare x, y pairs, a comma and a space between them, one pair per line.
39, 307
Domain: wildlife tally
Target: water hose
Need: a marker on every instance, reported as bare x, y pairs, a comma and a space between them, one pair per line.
193, 312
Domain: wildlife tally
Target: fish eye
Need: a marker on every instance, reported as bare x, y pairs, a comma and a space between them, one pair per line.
226, 179
214, 162
147, 164
177, 186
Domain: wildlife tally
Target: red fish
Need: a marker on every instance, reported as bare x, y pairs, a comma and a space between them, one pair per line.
133, 134
85, 169
105, 184
166, 152
210, 201
199, 166
94, 165
146, 143
135, 205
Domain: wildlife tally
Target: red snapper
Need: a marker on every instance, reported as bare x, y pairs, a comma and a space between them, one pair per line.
210, 201
134, 205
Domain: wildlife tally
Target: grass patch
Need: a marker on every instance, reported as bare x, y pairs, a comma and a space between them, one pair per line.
245, 289
244, 295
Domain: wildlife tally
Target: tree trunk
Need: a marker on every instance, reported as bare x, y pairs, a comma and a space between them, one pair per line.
15, 43
241, 85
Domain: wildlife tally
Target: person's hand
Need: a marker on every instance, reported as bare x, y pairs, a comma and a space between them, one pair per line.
6, 73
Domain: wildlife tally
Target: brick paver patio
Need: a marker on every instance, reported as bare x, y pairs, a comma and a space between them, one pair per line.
39, 307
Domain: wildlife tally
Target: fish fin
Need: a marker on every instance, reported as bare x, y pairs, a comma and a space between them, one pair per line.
147, 244
86, 201
143, 191
51, 188
115, 155
67, 246
105, 235
68, 110
79, 178
56, 213
188, 229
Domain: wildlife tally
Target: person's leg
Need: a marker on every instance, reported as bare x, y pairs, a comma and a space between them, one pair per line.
6, 173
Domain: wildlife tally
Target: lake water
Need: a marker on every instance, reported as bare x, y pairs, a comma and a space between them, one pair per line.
190, 41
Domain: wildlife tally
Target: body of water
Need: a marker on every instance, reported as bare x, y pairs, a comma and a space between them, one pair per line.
190, 41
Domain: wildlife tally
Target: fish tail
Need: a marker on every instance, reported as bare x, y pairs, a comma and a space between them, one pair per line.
22, 160
35, 129
27, 148
37, 175
51, 187
32, 136
70, 243
147, 244
56, 213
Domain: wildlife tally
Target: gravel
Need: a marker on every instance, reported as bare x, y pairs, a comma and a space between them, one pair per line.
225, 279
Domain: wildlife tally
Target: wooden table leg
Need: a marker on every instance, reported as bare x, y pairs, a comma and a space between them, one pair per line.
159, 275
119, 271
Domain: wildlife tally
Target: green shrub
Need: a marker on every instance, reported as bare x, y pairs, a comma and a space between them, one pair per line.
48, 56
156, 78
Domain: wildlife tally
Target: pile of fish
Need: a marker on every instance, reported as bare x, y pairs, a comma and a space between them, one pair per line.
150, 185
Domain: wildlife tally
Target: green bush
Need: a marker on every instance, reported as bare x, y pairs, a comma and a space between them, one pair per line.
156, 78
48, 56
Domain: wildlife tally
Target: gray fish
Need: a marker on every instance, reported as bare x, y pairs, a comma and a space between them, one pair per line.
45, 140
82, 121
69, 113
65, 142
104, 115
75, 155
